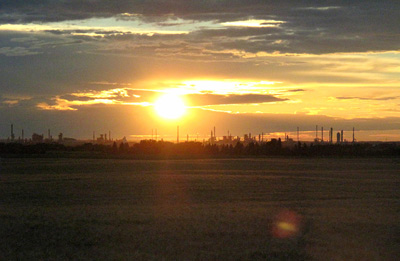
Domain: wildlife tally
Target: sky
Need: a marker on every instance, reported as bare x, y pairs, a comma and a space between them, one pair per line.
243, 66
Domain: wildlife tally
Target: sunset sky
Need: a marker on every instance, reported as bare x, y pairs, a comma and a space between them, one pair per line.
244, 66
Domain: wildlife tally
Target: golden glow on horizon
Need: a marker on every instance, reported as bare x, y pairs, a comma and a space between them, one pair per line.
349, 100
231, 86
170, 106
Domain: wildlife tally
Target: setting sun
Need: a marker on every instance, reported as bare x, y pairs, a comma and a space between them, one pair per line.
170, 106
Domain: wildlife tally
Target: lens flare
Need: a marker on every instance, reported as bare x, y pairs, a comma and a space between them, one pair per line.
287, 224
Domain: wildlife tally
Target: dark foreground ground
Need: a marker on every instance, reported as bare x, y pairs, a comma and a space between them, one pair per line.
58, 209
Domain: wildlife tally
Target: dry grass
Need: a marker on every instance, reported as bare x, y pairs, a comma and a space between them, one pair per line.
71, 209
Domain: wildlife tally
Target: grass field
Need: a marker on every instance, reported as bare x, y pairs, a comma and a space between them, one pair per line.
221, 209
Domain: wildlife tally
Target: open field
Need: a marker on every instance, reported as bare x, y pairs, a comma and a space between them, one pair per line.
212, 209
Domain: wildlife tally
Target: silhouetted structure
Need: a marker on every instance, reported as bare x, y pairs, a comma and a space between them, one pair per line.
36, 138
322, 134
12, 132
298, 130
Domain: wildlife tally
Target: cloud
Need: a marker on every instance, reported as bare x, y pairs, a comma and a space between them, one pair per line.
138, 97
254, 23
214, 99
296, 90
17, 51
368, 98
323, 8
72, 101
304, 27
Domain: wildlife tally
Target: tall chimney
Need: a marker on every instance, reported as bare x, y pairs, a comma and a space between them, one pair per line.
12, 132
215, 136
322, 134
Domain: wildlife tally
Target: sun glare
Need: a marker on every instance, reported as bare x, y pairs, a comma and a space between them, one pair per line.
170, 106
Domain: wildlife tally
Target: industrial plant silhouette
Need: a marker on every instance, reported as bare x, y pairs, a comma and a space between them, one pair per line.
226, 146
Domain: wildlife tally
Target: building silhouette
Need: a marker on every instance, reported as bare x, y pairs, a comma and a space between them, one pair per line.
36, 138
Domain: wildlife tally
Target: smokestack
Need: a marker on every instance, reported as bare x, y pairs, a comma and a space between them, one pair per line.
322, 134
338, 137
341, 136
215, 136
331, 135
12, 132
177, 134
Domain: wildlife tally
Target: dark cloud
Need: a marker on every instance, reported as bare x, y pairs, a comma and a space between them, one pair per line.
214, 99
296, 90
233, 32
309, 26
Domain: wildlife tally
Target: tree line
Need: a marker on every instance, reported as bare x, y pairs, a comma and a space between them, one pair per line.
151, 147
